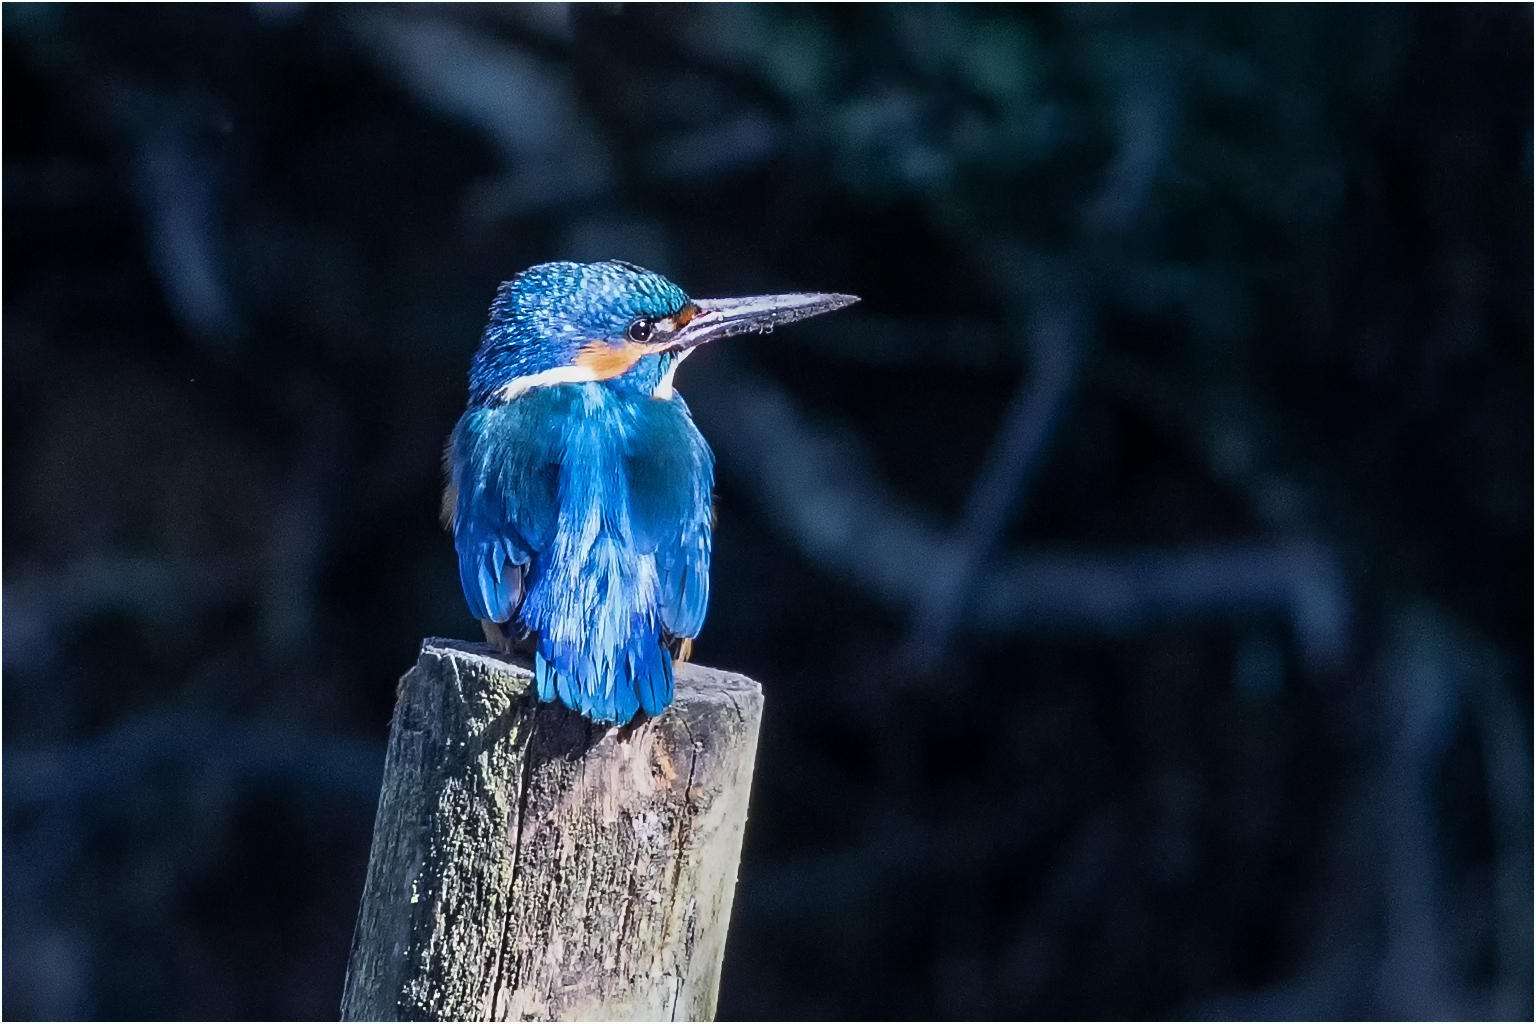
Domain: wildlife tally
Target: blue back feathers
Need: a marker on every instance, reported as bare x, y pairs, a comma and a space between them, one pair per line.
582, 509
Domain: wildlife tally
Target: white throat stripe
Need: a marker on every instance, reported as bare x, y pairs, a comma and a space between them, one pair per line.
558, 375
664, 389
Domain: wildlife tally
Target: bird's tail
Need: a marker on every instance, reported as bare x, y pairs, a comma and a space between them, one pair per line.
637, 678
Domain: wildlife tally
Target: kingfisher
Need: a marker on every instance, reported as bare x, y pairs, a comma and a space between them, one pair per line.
579, 491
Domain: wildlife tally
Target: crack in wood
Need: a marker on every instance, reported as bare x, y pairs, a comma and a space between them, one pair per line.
497, 985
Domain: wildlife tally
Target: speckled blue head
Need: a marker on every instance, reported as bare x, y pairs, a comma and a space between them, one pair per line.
563, 322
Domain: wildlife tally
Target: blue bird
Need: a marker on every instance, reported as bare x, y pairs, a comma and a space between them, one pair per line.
579, 490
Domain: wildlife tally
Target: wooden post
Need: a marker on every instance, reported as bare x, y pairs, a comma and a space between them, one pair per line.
529, 865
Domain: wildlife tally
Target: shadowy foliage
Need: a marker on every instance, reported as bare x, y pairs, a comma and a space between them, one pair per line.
1139, 578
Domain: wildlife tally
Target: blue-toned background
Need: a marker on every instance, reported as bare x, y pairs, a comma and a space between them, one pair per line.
1140, 578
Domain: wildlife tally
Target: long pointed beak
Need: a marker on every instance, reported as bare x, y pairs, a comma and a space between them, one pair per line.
721, 318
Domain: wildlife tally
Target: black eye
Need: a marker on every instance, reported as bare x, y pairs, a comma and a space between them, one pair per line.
640, 330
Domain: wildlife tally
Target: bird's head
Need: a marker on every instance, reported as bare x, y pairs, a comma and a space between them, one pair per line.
559, 323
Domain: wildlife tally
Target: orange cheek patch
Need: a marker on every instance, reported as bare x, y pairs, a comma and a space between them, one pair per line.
684, 315
607, 361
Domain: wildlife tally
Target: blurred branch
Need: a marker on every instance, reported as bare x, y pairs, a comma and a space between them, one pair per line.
41, 606
1145, 111
526, 106
1390, 945
169, 596
64, 803
302, 520
1420, 704
1234, 442
815, 484
1072, 887
1435, 672
172, 175
1507, 767
203, 747
1001, 485
186, 246
1055, 344
1061, 589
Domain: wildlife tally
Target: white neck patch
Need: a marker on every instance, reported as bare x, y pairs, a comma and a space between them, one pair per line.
558, 375
664, 389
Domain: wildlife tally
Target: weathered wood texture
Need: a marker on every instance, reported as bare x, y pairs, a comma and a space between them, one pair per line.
530, 865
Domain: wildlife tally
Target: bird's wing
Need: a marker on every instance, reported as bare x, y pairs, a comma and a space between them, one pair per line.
502, 488
672, 513
684, 574
492, 565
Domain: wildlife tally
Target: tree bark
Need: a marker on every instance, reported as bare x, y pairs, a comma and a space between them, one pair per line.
530, 865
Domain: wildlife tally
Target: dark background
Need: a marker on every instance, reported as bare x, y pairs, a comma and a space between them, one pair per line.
1139, 578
